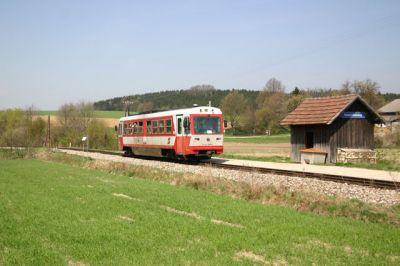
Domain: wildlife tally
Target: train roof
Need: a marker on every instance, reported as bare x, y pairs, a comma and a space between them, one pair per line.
183, 111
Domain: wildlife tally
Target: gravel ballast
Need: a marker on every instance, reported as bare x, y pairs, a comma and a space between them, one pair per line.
342, 190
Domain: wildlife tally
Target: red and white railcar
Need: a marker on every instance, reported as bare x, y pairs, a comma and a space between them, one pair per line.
186, 133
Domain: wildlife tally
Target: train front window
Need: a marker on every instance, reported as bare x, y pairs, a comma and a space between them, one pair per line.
207, 125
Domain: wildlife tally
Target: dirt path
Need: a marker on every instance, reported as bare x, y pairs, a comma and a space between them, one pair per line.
274, 149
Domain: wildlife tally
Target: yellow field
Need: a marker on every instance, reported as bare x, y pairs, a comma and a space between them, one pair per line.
54, 120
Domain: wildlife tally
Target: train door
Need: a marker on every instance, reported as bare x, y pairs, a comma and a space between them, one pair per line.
120, 135
182, 134
179, 134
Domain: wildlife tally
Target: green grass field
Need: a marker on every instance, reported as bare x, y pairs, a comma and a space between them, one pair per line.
56, 214
99, 114
282, 138
109, 114
48, 112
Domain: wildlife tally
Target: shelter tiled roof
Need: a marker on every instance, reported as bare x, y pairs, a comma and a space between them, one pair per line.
321, 110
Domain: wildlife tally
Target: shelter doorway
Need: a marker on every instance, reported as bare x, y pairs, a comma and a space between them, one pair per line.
309, 140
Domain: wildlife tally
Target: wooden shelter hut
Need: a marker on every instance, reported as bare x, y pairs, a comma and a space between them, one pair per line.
325, 124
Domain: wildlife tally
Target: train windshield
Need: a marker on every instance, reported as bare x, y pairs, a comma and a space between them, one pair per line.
207, 125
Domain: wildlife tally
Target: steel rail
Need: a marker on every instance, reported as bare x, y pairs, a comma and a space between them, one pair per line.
325, 177
376, 183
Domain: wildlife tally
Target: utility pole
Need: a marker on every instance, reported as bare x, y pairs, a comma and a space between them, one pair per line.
48, 138
126, 104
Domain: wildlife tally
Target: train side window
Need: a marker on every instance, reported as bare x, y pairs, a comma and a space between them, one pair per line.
125, 129
140, 127
154, 126
135, 128
179, 125
130, 129
161, 126
168, 126
148, 127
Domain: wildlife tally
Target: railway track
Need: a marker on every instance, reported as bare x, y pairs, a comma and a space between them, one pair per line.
376, 183
326, 177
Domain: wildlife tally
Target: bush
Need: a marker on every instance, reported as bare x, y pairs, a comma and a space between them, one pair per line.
388, 139
396, 136
378, 142
16, 153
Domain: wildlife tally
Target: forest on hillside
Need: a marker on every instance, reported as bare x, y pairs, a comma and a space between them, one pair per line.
201, 95
164, 100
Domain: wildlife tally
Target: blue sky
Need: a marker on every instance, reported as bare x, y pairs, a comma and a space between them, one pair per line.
52, 52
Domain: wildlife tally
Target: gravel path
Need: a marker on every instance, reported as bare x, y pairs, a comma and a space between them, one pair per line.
343, 190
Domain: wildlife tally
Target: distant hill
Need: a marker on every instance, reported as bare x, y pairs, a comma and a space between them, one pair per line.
171, 99
200, 95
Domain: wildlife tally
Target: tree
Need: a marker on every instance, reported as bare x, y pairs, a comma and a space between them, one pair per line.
145, 107
65, 114
274, 86
294, 101
346, 87
100, 136
272, 107
77, 115
74, 120
84, 114
203, 87
296, 91
271, 112
248, 120
233, 106
13, 132
37, 131
369, 91
21, 128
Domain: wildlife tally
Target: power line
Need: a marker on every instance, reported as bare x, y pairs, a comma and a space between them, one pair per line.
339, 39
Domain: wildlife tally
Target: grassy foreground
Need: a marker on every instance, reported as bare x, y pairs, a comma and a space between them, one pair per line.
55, 214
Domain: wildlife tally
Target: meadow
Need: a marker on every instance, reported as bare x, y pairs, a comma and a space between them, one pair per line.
260, 139
57, 214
